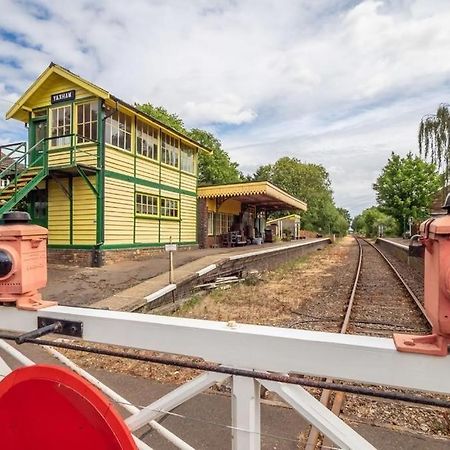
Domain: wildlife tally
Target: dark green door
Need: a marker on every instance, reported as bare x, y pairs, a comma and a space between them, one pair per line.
38, 207
38, 133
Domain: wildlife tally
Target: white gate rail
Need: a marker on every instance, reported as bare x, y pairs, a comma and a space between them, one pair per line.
355, 358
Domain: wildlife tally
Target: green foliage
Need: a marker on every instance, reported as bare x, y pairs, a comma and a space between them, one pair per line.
434, 140
370, 219
406, 188
160, 113
216, 168
310, 183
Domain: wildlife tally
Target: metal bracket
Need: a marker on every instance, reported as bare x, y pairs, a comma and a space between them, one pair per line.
68, 327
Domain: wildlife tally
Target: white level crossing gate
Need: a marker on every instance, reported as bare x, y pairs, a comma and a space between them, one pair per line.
359, 359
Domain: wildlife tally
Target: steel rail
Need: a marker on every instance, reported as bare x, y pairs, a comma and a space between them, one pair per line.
405, 285
314, 433
340, 396
255, 374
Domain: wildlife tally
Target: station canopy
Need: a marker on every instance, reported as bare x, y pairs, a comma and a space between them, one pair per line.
262, 194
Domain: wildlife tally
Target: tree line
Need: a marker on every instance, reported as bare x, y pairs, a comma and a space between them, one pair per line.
408, 186
306, 181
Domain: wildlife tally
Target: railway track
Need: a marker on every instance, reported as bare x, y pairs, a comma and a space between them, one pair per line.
381, 303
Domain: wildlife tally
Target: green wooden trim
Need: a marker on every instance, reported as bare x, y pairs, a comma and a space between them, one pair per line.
74, 246
131, 179
100, 229
189, 174
142, 245
168, 166
116, 246
114, 147
87, 180
71, 210
147, 159
170, 219
179, 201
146, 216
159, 179
134, 184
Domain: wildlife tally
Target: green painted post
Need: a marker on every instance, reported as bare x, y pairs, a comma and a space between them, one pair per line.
100, 230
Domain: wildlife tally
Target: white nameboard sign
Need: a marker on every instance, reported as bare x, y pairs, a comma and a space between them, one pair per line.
170, 247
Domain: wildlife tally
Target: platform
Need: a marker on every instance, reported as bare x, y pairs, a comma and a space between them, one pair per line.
207, 266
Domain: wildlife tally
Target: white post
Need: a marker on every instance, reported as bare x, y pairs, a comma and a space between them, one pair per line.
246, 415
4, 368
171, 264
319, 416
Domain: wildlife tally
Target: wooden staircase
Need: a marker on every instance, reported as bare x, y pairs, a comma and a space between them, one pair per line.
18, 183
17, 177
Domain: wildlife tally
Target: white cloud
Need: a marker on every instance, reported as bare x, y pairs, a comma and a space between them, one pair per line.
338, 82
226, 109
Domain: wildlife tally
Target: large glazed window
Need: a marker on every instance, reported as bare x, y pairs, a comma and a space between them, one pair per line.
187, 158
87, 116
169, 150
169, 207
60, 125
146, 140
223, 224
118, 131
146, 204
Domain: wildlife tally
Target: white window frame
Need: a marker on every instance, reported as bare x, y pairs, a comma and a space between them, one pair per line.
147, 139
116, 125
61, 129
170, 150
146, 204
92, 123
170, 208
187, 158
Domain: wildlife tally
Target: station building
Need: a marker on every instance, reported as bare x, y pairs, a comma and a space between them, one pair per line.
236, 214
286, 227
101, 175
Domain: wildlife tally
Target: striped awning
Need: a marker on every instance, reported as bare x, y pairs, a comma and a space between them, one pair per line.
261, 193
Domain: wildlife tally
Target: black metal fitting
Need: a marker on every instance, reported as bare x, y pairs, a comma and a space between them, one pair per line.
41, 331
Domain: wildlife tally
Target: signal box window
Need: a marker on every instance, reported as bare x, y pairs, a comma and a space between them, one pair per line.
60, 125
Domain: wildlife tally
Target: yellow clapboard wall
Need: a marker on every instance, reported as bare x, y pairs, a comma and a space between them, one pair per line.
188, 182
55, 83
169, 229
119, 211
147, 169
119, 161
147, 230
58, 213
84, 212
188, 218
170, 177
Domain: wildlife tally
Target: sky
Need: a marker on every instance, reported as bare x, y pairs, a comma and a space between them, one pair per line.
342, 83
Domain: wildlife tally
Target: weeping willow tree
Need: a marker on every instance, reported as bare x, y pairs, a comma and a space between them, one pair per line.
434, 142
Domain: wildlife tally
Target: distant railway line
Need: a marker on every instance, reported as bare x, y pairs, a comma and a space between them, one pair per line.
380, 303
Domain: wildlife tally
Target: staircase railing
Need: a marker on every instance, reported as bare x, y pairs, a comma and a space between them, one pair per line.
23, 160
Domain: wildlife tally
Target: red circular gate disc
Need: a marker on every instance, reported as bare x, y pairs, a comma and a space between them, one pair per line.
52, 408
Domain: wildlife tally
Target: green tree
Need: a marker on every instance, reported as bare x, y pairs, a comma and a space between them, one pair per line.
346, 214
369, 221
434, 140
160, 113
406, 188
310, 183
216, 168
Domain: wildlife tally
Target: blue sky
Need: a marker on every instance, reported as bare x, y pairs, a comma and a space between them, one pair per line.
342, 83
